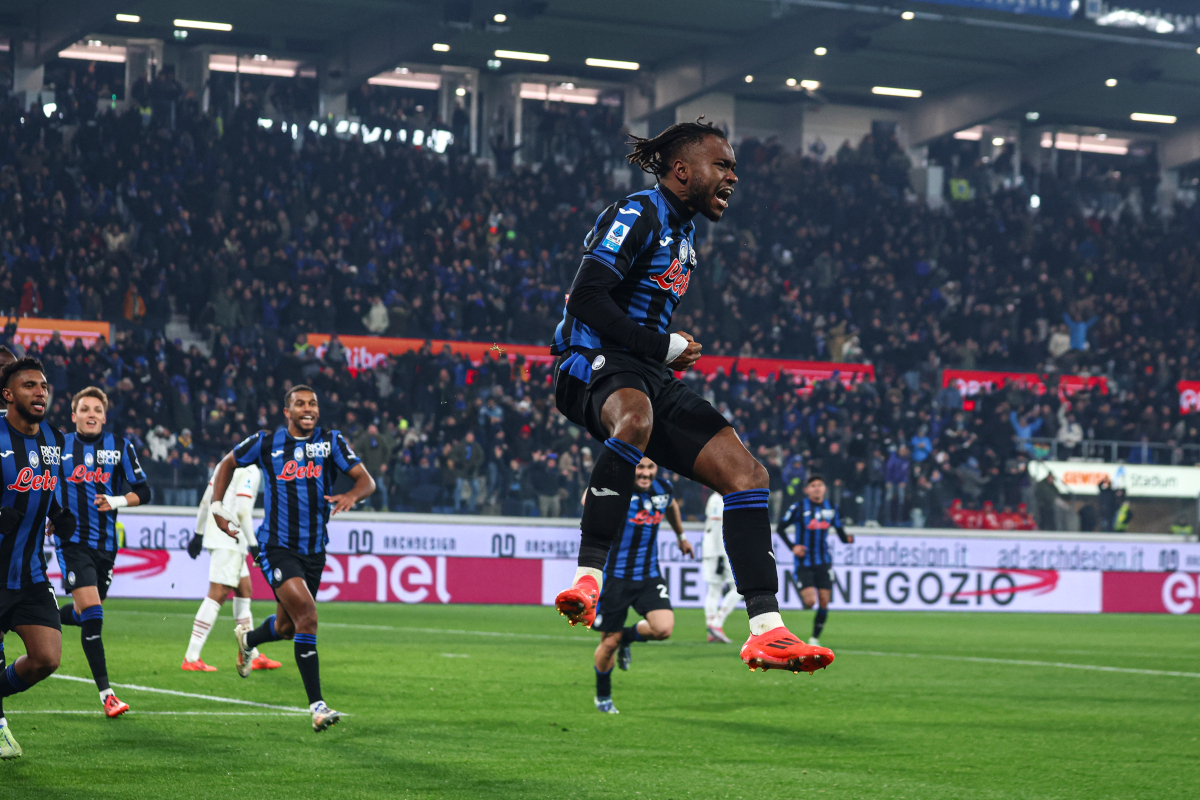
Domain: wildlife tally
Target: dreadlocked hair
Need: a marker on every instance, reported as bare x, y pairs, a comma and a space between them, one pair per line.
656, 154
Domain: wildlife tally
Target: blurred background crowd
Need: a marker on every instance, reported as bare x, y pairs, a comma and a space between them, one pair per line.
250, 239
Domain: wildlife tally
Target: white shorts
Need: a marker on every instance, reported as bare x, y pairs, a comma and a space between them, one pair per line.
716, 570
227, 567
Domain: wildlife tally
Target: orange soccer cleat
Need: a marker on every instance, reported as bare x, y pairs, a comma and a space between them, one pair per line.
262, 662
778, 648
196, 666
114, 707
578, 604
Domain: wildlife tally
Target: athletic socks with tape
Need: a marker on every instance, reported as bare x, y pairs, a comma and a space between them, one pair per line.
631, 634
747, 533
307, 662
91, 621
609, 491
10, 681
67, 615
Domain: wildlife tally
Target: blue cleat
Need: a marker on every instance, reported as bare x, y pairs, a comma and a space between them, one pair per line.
624, 658
605, 706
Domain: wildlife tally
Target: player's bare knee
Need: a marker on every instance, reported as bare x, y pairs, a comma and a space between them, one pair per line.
306, 622
42, 665
661, 633
752, 477
633, 427
284, 627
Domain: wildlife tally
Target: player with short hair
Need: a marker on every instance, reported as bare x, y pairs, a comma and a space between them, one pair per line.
227, 570
812, 519
31, 494
614, 377
718, 604
632, 579
300, 462
94, 465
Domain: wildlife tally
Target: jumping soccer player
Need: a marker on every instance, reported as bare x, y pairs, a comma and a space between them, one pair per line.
31, 475
812, 518
94, 464
718, 604
300, 463
614, 377
227, 570
631, 578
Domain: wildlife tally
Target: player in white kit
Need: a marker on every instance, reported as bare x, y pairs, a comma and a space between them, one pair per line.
717, 603
227, 569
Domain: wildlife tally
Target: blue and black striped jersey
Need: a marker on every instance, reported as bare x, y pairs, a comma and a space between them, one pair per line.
92, 468
297, 476
812, 524
635, 556
31, 474
647, 242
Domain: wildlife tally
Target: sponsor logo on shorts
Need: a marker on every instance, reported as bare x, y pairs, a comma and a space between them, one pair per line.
598, 362
599, 621
71, 578
278, 574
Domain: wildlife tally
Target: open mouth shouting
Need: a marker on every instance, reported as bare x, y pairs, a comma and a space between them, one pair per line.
722, 197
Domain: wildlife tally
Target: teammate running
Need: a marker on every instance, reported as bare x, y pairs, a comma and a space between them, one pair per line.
227, 570
614, 377
812, 518
300, 463
94, 465
718, 604
31, 475
631, 578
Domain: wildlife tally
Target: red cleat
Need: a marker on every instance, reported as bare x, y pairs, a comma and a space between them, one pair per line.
196, 666
114, 707
779, 649
262, 662
578, 604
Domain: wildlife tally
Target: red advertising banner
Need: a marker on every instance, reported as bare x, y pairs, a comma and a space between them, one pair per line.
1151, 593
1189, 396
36, 329
423, 579
971, 382
366, 352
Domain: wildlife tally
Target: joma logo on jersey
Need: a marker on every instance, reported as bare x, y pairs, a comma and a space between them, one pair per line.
293, 471
317, 449
51, 456
82, 474
674, 280
27, 481
110, 457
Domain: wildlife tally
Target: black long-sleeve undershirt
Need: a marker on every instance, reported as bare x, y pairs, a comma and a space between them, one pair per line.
591, 303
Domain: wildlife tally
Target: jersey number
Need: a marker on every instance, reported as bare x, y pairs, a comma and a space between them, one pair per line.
662, 591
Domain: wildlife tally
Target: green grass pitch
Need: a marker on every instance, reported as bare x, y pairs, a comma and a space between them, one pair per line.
496, 702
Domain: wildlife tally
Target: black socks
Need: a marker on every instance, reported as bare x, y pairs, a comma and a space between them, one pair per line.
67, 615
609, 490
819, 621
263, 633
631, 634
306, 660
747, 533
92, 621
603, 683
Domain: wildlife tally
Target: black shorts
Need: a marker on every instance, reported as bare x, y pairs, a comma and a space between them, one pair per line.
83, 566
619, 594
280, 564
814, 576
683, 421
34, 605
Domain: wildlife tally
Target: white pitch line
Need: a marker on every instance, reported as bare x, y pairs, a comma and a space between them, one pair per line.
214, 698
97, 712
1016, 662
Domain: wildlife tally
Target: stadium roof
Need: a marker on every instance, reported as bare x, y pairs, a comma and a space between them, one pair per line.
970, 64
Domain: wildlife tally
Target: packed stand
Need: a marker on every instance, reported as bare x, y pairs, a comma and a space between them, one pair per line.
259, 238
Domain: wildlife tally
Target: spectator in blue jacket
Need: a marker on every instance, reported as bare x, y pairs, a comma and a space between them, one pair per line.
895, 481
1078, 331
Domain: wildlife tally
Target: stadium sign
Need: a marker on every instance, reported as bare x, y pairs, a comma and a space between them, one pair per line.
36, 330
419, 559
1138, 480
1189, 396
971, 382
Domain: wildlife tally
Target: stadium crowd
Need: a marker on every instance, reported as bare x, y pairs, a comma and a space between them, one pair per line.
259, 238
